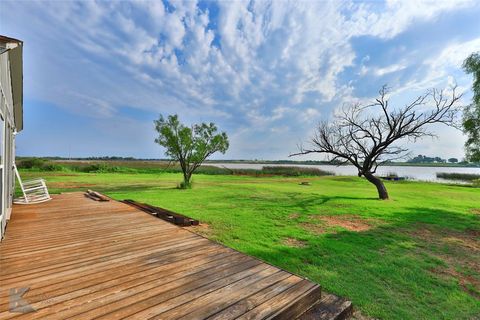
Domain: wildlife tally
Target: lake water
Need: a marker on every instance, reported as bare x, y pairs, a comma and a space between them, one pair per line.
415, 173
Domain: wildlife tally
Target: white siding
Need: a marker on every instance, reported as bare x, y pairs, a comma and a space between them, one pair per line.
5, 82
7, 127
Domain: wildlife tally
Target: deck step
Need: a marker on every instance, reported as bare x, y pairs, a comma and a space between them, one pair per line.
330, 307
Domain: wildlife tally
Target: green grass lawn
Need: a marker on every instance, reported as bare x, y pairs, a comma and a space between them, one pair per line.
416, 256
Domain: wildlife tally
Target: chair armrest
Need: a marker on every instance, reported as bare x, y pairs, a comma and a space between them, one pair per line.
33, 181
34, 188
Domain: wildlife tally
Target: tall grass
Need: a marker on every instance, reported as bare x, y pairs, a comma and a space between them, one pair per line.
38, 164
458, 176
294, 171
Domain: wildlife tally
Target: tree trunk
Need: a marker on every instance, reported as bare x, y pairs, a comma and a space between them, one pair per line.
186, 180
382, 191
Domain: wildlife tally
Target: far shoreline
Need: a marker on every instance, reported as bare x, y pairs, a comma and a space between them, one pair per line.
256, 161
326, 163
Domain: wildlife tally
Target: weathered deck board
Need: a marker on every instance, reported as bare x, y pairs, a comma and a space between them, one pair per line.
85, 259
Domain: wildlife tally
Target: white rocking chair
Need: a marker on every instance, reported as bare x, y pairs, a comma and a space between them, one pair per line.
34, 191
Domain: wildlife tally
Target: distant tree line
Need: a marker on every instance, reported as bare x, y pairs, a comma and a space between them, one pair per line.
102, 158
424, 159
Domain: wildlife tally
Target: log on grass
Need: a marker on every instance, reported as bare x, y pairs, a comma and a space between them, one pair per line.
164, 214
96, 196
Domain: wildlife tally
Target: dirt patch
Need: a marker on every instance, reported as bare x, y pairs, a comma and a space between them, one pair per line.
70, 185
327, 224
294, 215
466, 282
202, 229
357, 315
349, 222
294, 243
467, 240
463, 253
475, 211
340, 205
463, 241
473, 233
314, 228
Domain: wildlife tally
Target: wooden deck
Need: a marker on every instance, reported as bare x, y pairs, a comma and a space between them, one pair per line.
85, 259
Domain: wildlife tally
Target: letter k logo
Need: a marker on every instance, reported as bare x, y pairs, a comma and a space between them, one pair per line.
17, 303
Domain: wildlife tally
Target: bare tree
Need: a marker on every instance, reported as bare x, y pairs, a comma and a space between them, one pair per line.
367, 136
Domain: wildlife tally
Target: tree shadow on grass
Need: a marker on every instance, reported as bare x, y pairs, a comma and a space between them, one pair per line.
133, 188
306, 204
390, 262
117, 189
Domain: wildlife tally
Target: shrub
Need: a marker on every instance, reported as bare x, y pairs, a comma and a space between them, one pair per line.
105, 168
391, 174
31, 163
294, 171
184, 185
458, 176
213, 170
53, 167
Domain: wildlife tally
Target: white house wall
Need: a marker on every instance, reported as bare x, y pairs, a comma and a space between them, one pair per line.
8, 127
6, 84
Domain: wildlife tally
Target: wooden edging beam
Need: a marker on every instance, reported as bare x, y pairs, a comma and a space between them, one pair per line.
164, 214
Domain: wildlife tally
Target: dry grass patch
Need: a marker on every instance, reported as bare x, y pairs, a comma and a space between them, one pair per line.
294, 215
349, 222
357, 315
468, 283
202, 229
475, 211
70, 185
294, 243
314, 228
466, 241
464, 254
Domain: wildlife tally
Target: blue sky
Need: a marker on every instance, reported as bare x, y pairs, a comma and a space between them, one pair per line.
96, 74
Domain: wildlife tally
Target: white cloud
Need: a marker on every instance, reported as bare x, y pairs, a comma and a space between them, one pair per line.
390, 69
452, 56
396, 16
310, 115
442, 70
262, 63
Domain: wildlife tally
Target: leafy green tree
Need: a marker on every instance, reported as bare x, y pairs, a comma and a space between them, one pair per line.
471, 114
190, 146
453, 160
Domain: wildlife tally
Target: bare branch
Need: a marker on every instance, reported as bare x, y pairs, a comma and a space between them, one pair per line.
366, 136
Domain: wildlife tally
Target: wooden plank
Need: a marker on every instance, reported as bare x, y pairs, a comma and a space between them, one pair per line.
169, 257
177, 261
245, 304
105, 259
16, 266
79, 302
330, 307
144, 244
167, 299
124, 302
97, 196
220, 299
298, 305
271, 307
62, 271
